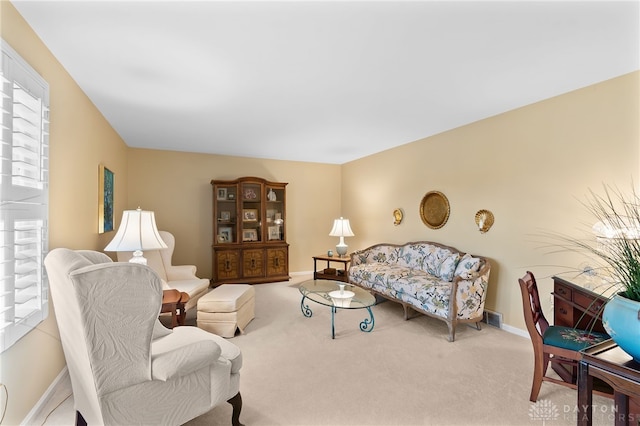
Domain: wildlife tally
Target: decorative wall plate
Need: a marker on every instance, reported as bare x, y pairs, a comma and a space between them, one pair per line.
397, 216
484, 220
434, 209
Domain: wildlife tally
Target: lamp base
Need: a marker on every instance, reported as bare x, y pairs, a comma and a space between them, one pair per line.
341, 250
138, 258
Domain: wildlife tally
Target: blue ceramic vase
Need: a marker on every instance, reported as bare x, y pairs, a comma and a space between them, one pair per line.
622, 321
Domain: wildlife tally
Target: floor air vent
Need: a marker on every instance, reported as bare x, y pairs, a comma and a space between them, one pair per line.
492, 318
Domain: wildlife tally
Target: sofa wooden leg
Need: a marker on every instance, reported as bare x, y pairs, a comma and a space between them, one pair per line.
452, 331
236, 403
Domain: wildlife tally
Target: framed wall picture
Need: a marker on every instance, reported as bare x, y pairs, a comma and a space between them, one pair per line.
250, 235
250, 215
222, 194
106, 182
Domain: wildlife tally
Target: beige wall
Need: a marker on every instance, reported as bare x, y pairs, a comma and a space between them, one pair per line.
176, 186
529, 167
80, 139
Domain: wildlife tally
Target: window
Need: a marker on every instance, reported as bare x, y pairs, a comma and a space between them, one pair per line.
24, 187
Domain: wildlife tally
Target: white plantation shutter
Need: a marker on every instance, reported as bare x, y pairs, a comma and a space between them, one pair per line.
24, 187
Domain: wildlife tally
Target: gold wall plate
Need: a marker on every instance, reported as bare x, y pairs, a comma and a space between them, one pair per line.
434, 209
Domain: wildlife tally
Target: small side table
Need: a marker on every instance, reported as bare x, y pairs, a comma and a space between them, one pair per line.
174, 301
608, 362
339, 275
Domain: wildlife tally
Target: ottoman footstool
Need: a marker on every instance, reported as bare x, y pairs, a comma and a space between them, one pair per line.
226, 308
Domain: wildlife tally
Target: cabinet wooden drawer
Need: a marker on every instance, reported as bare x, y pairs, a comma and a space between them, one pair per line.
595, 306
252, 263
227, 264
277, 261
563, 291
562, 313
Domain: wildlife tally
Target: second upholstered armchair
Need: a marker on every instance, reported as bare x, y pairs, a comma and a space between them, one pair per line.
126, 368
179, 277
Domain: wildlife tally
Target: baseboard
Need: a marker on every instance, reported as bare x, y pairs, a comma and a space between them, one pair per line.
515, 330
48, 402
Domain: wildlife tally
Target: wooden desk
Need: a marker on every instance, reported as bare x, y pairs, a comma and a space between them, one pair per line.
577, 306
339, 275
608, 362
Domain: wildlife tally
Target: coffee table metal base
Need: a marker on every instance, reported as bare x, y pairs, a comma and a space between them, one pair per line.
366, 325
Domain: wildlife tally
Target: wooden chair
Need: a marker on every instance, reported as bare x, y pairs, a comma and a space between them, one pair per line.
557, 344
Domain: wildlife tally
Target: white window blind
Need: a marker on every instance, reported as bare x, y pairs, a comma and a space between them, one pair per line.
24, 187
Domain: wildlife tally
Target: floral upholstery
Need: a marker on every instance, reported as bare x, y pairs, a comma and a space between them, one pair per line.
425, 276
572, 338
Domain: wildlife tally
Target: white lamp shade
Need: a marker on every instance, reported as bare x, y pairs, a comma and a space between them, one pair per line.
137, 231
341, 228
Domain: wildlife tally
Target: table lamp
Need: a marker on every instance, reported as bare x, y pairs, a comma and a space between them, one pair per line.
137, 232
341, 228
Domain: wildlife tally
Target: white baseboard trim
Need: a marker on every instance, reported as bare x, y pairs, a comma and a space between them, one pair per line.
46, 402
514, 330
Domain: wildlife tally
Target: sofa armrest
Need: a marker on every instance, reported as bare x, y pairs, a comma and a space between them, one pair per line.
184, 360
471, 292
181, 272
358, 257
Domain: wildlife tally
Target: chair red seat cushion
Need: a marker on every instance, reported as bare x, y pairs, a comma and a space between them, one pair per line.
572, 338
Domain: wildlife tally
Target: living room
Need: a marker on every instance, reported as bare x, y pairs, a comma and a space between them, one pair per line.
530, 166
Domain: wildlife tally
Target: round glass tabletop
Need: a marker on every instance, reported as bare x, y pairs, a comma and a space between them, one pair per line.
318, 291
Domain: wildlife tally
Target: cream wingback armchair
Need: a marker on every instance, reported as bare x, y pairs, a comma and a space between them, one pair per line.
181, 277
126, 368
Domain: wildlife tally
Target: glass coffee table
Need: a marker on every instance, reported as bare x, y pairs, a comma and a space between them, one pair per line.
318, 291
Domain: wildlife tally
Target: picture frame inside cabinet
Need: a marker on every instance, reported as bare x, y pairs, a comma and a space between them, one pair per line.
250, 194
274, 233
250, 215
222, 194
225, 234
250, 235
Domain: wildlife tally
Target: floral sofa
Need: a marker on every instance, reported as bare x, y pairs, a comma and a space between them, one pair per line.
433, 279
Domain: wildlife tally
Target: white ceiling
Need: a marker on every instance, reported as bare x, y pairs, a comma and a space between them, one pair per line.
325, 81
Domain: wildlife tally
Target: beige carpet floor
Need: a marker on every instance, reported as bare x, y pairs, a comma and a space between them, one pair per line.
401, 373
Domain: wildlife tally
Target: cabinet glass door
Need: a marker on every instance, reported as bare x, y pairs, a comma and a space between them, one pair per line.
251, 210
227, 220
275, 214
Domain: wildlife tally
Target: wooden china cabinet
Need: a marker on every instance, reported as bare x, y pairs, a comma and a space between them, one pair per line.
249, 232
